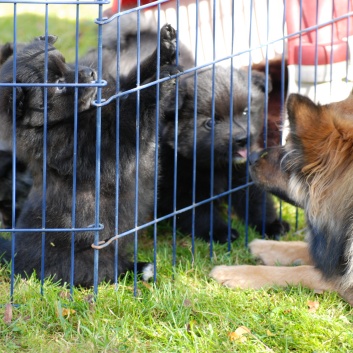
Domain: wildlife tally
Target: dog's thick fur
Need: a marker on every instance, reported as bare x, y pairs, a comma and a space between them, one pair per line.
213, 137
59, 211
23, 185
313, 170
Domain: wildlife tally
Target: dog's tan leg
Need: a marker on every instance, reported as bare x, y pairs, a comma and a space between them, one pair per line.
256, 277
272, 252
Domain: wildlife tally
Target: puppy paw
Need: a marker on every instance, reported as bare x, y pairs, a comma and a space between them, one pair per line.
146, 269
168, 44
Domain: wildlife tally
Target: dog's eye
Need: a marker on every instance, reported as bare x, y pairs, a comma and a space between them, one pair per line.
245, 111
209, 124
60, 89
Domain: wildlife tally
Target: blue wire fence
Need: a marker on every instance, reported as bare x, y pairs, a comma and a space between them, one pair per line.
261, 44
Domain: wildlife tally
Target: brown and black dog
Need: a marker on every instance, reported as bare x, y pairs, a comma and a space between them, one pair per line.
314, 171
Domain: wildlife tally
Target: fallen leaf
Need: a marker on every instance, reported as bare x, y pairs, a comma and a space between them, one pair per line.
146, 284
187, 303
313, 306
269, 333
239, 334
67, 312
190, 326
64, 295
8, 314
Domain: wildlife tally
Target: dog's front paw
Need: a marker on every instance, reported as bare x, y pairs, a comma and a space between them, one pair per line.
168, 44
244, 276
272, 252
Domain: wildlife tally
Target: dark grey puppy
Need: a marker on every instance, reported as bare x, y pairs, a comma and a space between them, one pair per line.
213, 138
59, 211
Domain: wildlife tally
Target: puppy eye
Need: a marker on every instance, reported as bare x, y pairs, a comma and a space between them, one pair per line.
60, 89
209, 124
245, 111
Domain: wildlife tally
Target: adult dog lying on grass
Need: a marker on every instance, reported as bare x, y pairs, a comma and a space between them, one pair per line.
60, 210
314, 171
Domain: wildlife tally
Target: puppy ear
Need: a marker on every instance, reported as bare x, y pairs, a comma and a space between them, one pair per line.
5, 52
51, 38
259, 79
20, 98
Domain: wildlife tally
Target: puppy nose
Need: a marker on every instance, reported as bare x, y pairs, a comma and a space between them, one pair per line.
254, 157
241, 142
88, 73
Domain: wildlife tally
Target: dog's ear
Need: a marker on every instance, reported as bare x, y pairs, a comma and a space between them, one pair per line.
5, 52
51, 38
20, 100
259, 80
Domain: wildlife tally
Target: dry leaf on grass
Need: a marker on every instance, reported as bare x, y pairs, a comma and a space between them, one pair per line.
66, 312
65, 295
191, 325
8, 314
239, 334
269, 333
187, 303
147, 285
313, 306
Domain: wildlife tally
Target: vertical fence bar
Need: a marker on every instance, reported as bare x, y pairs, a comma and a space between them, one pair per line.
13, 234
265, 112
74, 172
248, 129
45, 131
213, 108
156, 156
230, 145
194, 175
175, 157
98, 148
138, 92
117, 149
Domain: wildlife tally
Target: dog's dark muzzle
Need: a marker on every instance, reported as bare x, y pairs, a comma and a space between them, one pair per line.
86, 74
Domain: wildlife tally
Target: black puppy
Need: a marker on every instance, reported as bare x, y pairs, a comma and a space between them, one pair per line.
213, 136
59, 211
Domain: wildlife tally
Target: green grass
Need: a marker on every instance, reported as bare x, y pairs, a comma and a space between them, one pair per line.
185, 311
30, 26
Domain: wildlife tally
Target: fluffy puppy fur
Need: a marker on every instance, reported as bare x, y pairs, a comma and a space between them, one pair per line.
214, 133
23, 184
59, 212
23, 180
313, 170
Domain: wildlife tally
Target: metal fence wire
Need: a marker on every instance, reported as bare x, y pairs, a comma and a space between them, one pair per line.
150, 128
